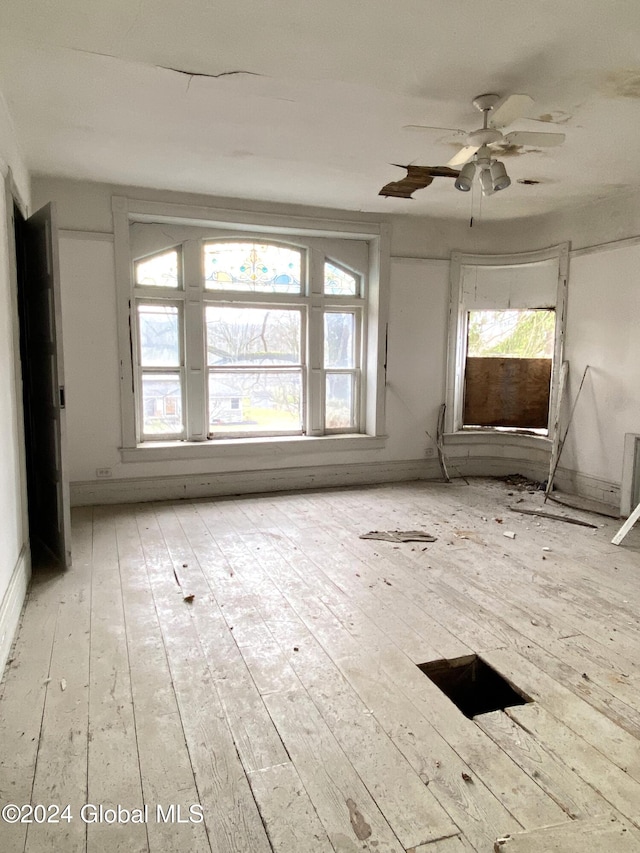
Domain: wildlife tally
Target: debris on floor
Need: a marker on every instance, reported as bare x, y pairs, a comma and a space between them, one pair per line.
509, 534
399, 536
541, 514
585, 505
186, 596
517, 481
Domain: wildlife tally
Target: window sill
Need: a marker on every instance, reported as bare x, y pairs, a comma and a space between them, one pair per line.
161, 451
498, 436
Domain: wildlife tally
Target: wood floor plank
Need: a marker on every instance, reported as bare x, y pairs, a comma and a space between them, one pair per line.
197, 556
472, 806
167, 775
344, 805
409, 806
523, 796
411, 810
458, 844
26, 682
114, 777
61, 771
528, 803
619, 746
287, 811
274, 680
231, 815
581, 835
562, 784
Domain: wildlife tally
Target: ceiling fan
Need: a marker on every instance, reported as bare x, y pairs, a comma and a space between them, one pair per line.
477, 155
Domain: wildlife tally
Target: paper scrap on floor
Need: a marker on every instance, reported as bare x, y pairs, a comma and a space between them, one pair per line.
399, 536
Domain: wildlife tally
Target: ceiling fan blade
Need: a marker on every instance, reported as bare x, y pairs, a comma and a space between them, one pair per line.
525, 137
423, 127
463, 156
513, 107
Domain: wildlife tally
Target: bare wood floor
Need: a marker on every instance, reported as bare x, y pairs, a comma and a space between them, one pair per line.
253, 661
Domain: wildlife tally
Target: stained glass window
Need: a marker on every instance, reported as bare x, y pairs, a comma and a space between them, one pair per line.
158, 271
252, 267
277, 341
339, 282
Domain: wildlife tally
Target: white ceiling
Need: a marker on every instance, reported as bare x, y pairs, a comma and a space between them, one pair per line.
316, 114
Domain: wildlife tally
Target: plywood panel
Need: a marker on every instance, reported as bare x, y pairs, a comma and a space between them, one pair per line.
511, 392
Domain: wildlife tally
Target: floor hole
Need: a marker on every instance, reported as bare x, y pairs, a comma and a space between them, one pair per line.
473, 686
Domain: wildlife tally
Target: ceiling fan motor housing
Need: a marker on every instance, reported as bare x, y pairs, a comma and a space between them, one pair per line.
484, 136
485, 102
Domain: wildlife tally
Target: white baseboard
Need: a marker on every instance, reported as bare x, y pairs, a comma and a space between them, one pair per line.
11, 606
602, 491
139, 489
532, 463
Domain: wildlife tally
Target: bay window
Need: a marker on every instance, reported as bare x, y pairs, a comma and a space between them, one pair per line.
243, 336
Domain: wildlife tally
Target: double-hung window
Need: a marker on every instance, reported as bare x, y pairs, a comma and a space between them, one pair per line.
159, 324
238, 336
506, 337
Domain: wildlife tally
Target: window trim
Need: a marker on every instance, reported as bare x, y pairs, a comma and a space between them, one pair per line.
258, 225
457, 339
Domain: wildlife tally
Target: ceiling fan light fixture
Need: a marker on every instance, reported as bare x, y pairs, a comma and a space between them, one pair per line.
499, 177
486, 182
464, 180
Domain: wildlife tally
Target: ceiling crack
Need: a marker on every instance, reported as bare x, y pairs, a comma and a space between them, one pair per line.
189, 74
213, 76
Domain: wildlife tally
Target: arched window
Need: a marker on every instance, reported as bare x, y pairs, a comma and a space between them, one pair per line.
238, 337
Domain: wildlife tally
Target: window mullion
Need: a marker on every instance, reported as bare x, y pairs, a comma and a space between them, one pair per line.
315, 349
195, 393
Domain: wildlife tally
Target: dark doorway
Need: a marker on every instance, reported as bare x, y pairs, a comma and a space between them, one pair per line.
42, 386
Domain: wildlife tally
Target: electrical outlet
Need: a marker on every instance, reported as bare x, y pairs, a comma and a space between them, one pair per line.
103, 473
429, 451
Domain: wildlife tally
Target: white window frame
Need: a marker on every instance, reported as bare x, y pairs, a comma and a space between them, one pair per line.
458, 319
273, 228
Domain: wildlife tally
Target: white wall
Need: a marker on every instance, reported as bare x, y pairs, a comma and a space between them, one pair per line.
418, 312
90, 346
602, 307
603, 331
419, 308
14, 550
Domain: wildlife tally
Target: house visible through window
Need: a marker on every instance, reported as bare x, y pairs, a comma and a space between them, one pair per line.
248, 339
